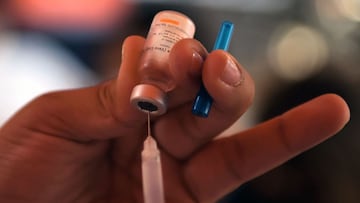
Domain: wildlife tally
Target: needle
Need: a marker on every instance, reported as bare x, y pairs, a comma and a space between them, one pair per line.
148, 124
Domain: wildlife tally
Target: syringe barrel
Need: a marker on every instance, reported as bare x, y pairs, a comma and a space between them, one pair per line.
153, 188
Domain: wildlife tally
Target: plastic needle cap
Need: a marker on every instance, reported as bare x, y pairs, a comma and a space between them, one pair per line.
203, 100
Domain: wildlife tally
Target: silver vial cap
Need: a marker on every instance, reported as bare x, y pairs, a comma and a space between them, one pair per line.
148, 98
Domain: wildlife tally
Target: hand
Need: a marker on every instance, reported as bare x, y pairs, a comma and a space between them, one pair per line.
84, 145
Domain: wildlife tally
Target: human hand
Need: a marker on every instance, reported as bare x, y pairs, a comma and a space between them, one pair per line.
84, 145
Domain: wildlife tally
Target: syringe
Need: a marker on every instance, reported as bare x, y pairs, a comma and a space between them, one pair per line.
153, 187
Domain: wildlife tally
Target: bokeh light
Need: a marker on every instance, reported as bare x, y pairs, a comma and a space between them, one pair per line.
297, 51
350, 9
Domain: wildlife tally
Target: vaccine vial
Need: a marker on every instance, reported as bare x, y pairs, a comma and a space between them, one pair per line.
167, 28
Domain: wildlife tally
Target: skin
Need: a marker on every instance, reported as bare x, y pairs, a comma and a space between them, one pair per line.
84, 145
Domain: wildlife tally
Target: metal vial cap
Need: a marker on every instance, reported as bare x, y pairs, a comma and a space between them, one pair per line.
148, 98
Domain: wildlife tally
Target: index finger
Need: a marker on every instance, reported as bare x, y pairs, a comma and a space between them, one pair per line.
246, 155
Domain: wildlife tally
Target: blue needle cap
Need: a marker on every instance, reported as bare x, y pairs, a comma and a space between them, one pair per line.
203, 100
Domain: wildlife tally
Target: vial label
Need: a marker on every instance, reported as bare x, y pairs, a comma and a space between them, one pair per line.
164, 35
167, 28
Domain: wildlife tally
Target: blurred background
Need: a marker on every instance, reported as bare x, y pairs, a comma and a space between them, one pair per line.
294, 49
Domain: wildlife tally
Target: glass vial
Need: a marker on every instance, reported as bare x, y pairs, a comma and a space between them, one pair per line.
167, 28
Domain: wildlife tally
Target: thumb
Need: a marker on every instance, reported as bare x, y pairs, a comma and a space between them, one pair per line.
94, 113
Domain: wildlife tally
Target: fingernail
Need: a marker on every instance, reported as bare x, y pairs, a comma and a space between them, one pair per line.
231, 74
122, 51
196, 59
196, 62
